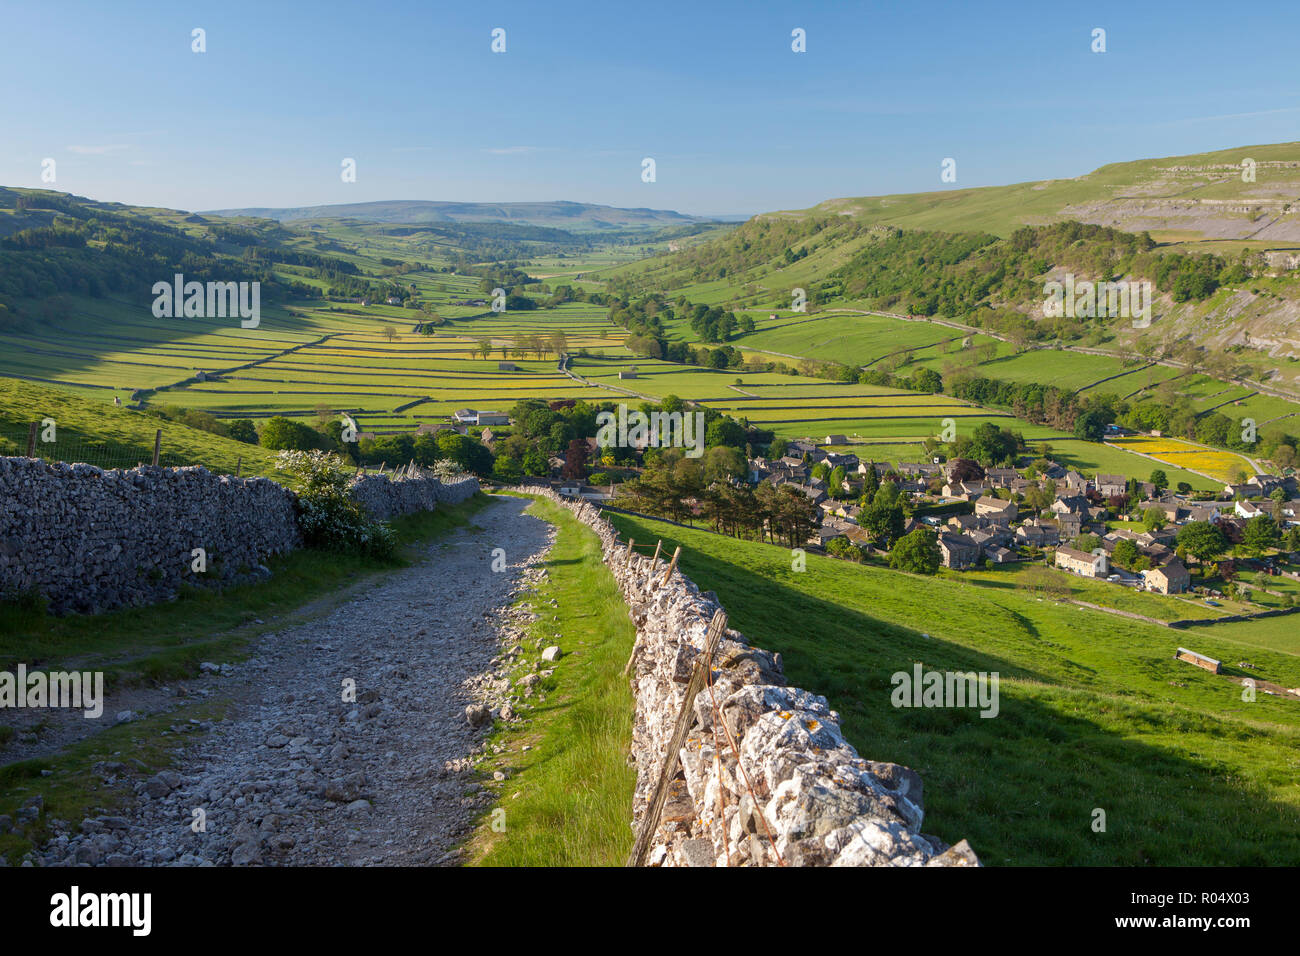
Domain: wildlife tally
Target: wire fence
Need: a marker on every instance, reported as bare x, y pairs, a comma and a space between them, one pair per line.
77, 450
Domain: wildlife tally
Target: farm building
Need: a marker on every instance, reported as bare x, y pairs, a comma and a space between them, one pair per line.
836, 440
507, 367
1200, 660
469, 416
627, 374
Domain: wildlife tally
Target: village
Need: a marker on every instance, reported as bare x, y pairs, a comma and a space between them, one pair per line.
1106, 527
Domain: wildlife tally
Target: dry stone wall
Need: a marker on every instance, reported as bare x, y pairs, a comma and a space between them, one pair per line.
387, 498
91, 540
799, 793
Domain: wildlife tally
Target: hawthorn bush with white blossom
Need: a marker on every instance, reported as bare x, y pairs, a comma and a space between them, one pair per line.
330, 520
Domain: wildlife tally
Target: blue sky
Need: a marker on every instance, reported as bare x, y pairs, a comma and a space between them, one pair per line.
737, 123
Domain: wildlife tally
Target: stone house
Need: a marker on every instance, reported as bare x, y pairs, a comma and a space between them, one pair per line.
1081, 562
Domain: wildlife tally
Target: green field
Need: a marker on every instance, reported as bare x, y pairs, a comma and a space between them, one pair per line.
1095, 713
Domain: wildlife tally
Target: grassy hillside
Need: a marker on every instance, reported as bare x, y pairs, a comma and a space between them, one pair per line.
1178, 198
1094, 710
102, 434
1221, 258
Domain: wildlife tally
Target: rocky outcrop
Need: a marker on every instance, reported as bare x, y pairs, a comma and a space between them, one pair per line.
766, 775
90, 540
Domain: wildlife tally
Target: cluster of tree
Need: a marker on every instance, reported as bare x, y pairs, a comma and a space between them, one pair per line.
681, 489
714, 324
989, 445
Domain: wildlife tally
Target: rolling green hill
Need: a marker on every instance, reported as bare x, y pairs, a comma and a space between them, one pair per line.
100, 434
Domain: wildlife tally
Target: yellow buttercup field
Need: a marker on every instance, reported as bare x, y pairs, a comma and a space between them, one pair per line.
1187, 455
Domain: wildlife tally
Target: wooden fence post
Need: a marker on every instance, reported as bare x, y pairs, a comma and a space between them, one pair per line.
658, 545
31, 440
671, 565
685, 718
630, 543
239, 463
157, 446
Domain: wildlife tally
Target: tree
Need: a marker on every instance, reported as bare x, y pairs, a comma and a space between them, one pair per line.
465, 452
575, 459
917, 552
389, 333
1090, 426
882, 520
1292, 539
1153, 519
1201, 540
506, 468
725, 431
241, 429
535, 462
1126, 553
836, 484
1261, 534
722, 462
870, 484
284, 434
1278, 497
1159, 479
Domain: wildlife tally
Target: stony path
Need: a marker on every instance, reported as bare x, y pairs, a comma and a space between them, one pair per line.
295, 774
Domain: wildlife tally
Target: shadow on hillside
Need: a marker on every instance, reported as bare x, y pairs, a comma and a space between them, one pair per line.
126, 324
1024, 786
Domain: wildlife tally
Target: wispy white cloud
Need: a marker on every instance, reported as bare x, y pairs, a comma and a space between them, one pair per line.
95, 150
1228, 116
512, 150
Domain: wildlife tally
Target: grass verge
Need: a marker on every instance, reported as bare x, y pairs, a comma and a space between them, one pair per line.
567, 800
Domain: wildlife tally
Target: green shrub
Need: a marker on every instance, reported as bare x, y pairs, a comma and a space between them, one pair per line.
330, 520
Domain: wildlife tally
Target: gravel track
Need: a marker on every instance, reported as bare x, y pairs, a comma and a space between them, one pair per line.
295, 774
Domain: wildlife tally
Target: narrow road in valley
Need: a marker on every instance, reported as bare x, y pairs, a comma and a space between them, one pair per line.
300, 771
